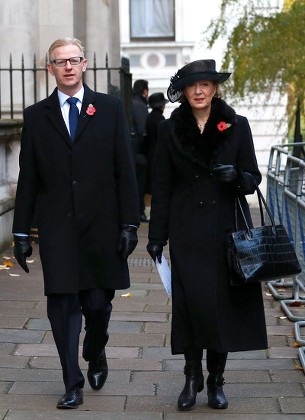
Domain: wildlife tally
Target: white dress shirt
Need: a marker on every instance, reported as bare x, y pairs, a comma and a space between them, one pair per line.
65, 107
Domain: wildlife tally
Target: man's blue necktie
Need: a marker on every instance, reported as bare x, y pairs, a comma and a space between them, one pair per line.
73, 117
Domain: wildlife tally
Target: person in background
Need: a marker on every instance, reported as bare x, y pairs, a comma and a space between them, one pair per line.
76, 165
157, 103
205, 157
139, 141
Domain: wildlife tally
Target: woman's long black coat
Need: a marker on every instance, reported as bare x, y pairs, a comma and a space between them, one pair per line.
84, 192
194, 211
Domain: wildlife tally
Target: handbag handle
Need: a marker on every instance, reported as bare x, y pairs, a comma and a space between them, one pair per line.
261, 202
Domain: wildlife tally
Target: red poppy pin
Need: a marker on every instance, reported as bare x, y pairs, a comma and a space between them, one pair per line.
90, 110
222, 126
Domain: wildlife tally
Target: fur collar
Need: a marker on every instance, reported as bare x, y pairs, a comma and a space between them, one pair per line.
201, 148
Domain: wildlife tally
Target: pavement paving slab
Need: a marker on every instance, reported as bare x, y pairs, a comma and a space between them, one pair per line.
144, 379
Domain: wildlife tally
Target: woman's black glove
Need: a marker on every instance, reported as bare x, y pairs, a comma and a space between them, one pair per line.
22, 249
155, 251
225, 173
127, 241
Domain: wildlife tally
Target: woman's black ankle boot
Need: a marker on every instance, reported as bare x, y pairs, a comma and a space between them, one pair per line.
216, 363
216, 396
193, 384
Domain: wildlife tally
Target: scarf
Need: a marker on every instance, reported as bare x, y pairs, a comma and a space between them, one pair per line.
202, 148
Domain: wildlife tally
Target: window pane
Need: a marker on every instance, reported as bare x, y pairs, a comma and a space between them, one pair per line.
152, 18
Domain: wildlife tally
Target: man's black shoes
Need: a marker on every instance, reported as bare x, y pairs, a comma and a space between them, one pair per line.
97, 375
98, 371
71, 399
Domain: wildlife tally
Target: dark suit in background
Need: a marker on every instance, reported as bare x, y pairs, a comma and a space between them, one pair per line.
139, 117
157, 102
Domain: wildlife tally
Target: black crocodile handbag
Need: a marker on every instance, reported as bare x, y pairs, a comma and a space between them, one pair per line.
262, 253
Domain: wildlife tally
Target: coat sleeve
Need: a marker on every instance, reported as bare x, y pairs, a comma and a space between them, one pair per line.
27, 186
140, 114
162, 187
125, 172
249, 175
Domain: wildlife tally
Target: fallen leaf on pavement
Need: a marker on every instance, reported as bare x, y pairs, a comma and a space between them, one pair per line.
296, 303
8, 264
299, 367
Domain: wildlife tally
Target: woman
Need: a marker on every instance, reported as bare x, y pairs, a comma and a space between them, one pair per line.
156, 102
205, 157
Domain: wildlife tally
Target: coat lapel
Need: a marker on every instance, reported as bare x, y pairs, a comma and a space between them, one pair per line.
54, 114
202, 149
89, 98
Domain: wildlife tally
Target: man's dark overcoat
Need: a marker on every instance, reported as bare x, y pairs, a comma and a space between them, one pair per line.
84, 192
194, 211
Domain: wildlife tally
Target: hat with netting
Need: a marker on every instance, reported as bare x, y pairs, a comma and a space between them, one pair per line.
192, 72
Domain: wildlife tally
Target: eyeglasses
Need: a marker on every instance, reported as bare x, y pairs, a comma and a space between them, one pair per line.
74, 61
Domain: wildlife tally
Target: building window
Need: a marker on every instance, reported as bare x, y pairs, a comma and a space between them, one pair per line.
152, 19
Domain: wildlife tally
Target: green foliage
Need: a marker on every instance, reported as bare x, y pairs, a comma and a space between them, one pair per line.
263, 50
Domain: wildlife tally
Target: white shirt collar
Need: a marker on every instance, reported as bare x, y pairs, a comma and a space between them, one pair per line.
63, 97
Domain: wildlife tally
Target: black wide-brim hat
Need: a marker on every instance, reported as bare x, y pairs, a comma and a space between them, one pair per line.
156, 100
192, 72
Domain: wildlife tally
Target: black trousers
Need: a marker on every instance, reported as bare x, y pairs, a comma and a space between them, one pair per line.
65, 313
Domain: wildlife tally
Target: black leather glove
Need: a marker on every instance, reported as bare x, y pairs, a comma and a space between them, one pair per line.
127, 241
225, 173
155, 251
22, 249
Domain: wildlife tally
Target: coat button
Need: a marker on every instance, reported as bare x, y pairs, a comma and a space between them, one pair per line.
74, 183
200, 204
213, 202
196, 178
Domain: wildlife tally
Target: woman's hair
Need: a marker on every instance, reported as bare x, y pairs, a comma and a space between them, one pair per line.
63, 42
217, 94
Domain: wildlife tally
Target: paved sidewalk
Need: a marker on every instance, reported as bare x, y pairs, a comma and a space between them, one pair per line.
145, 379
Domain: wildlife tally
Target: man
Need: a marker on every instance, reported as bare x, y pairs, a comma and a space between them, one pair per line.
139, 117
157, 103
79, 172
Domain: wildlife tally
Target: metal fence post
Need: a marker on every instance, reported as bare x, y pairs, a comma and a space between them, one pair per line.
31, 94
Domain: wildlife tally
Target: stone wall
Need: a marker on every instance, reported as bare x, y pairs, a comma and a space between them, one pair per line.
9, 150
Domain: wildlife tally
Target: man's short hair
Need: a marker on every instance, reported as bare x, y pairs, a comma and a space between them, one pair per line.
139, 86
63, 42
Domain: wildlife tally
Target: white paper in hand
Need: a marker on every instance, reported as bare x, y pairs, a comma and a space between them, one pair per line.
165, 274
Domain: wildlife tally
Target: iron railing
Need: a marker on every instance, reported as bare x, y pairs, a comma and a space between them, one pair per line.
286, 199
22, 86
